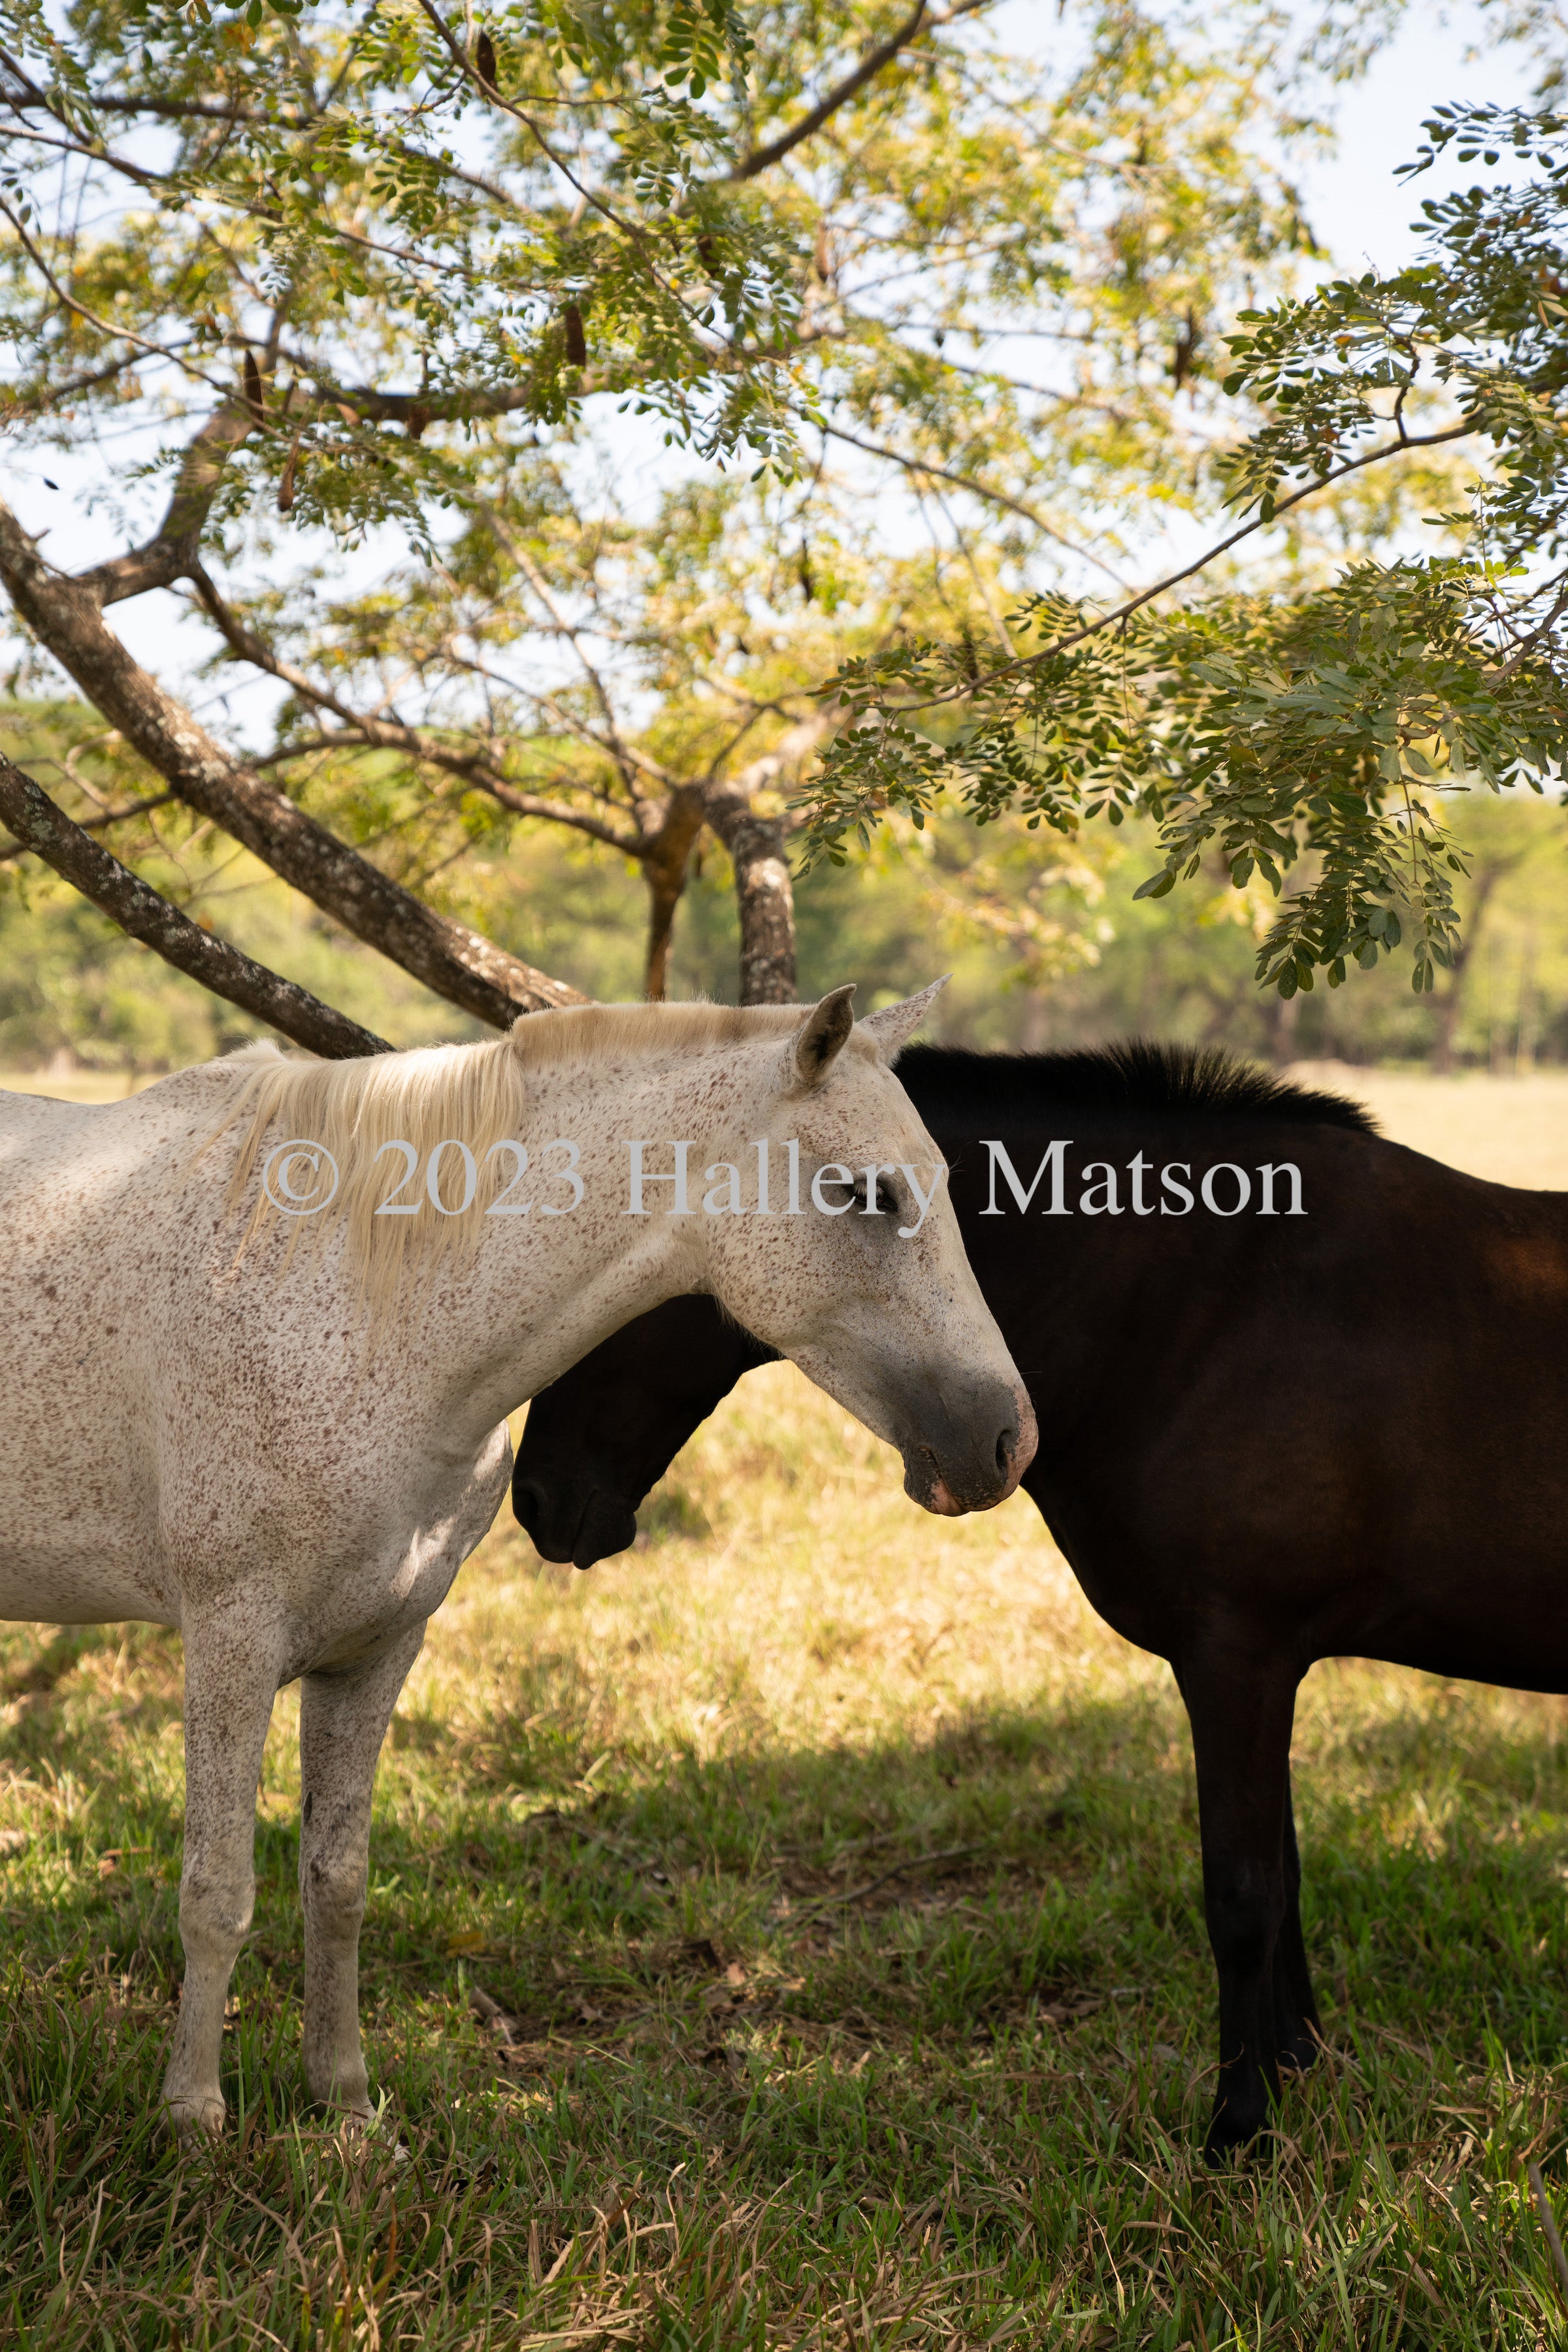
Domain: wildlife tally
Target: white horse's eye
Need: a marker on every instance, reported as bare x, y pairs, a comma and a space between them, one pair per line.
877, 1196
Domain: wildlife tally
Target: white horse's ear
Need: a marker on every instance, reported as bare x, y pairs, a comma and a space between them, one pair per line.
821, 1038
895, 1023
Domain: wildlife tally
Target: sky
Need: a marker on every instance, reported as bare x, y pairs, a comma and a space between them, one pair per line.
1355, 205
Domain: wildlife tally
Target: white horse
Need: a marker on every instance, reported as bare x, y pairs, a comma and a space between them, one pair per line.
284, 1432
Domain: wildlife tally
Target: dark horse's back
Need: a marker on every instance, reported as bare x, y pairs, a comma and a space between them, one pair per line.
1346, 1430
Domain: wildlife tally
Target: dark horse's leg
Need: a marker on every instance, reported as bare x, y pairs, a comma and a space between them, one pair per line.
1298, 2035
1241, 1707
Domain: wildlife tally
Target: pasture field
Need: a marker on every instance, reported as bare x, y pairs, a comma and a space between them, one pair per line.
78, 1086
787, 1935
1510, 1131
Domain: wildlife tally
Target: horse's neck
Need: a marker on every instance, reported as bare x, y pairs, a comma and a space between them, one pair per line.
545, 1289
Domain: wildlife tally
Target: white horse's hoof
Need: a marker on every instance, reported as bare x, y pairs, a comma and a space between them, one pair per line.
194, 2120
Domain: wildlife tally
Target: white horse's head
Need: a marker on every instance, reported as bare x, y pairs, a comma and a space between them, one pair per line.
858, 1271
806, 1197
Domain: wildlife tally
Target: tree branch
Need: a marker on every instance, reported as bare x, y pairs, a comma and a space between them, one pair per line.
469, 971
492, 96
80, 310
145, 915
172, 552
392, 735
980, 489
551, 812
1124, 611
855, 80
99, 824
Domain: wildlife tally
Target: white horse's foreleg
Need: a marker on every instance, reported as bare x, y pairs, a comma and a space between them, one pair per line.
342, 1722
230, 1684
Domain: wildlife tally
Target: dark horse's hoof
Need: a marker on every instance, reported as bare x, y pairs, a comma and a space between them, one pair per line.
1232, 2141
1301, 2053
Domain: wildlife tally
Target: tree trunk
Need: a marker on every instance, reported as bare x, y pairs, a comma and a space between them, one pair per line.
1450, 1005
469, 971
665, 864
765, 897
140, 910
661, 911
1447, 1009
763, 891
1282, 1012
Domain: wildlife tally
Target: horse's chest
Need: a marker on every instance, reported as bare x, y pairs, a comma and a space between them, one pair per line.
327, 1557
345, 1620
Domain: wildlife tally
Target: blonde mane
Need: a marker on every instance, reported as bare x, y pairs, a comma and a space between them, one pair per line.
479, 1094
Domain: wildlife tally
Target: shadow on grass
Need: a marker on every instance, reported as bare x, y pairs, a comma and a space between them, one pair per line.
1009, 1863
915, 2031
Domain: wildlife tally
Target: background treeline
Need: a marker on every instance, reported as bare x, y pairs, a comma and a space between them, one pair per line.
1047, 943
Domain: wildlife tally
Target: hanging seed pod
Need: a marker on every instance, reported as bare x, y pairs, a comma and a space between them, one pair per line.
485, 59
252, 376
291, 469
576, 341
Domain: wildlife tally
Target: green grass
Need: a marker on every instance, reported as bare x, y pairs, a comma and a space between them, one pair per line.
834, 1873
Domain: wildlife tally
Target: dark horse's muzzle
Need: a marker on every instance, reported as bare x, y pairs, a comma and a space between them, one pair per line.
567, 1522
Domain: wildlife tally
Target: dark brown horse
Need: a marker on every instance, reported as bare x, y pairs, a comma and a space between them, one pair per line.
1302, 1393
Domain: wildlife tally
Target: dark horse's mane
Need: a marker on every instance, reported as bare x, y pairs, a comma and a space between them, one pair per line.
1137, 1075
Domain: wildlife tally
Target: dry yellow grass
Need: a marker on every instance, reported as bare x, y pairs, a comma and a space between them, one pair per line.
819, 1606
77, 1086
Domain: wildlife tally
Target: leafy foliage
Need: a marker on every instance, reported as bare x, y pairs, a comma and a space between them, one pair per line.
351, 229
1318, 732
405, 269
318, 195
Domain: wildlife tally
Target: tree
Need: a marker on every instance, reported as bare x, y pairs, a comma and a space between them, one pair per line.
1316, 732
147, 916
359, 266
